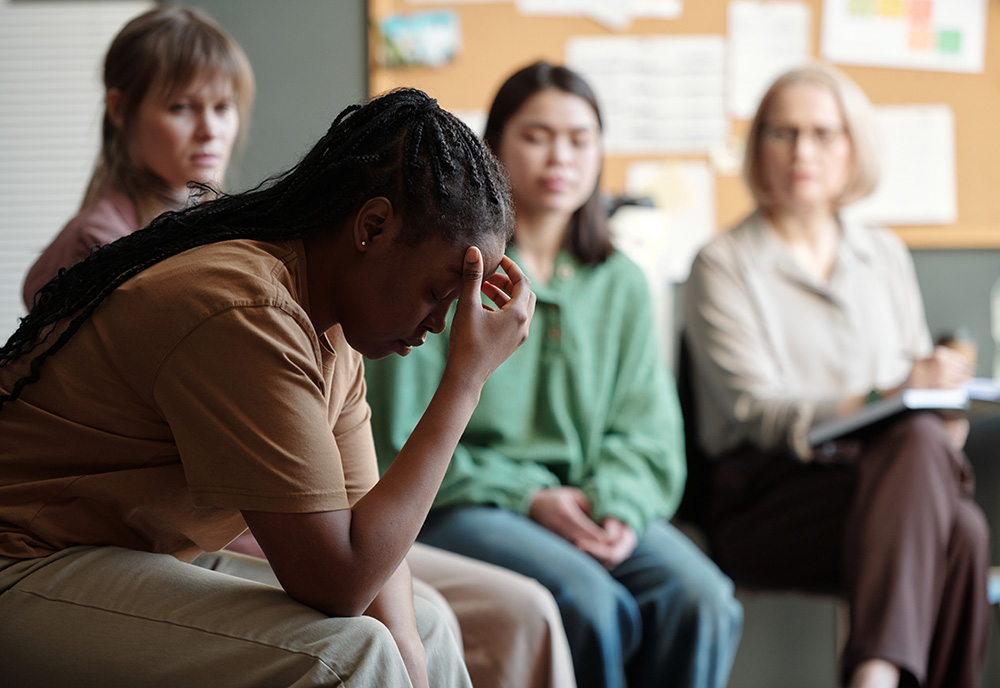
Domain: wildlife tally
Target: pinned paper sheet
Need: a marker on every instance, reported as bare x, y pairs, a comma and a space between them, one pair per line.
616, 15
658, 94
665, 239
943, 35
474, 119
918, 168
765, 40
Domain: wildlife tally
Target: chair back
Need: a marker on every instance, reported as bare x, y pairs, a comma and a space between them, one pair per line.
697, 491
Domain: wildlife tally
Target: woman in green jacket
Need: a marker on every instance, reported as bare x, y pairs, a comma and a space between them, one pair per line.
573, 460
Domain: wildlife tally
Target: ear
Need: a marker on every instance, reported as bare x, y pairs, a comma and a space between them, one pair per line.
113, 104
374, 222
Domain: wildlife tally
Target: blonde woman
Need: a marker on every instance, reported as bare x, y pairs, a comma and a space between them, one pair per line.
796, 316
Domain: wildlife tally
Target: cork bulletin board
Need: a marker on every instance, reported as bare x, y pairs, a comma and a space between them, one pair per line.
496, 39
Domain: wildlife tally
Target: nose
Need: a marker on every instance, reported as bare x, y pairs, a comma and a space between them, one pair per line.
438, 318
208, 125
805, 143
561, 150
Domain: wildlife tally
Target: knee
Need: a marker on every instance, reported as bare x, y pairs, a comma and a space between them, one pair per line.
425, 591
706, 600
922, 429
357, 649
434, 623
919, 448
595, 601
526, 604
445, 661
971, 535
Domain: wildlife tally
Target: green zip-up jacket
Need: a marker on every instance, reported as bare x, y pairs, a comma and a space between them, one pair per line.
586, 401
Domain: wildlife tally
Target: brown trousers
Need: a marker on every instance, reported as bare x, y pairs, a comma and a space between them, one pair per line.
889, 523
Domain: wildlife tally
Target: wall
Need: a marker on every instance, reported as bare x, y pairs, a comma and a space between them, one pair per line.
310, 61
488, 55
956, 287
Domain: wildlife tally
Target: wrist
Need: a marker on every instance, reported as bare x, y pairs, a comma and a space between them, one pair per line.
458, 383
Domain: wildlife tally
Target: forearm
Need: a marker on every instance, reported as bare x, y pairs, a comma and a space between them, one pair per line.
360, 548
393, 606
386, 521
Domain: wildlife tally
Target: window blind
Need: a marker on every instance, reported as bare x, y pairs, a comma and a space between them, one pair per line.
51, 57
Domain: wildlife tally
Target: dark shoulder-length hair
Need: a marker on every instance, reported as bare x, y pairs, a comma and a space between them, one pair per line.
588, 238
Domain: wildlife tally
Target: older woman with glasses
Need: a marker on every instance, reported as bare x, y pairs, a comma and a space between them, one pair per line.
796, 316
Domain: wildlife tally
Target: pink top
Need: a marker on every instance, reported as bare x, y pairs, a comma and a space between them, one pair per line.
110, 217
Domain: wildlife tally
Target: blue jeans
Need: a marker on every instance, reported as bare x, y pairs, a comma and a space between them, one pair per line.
666, 616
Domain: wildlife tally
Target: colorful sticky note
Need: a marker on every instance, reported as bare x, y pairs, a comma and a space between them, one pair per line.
921, 40
921, 12
862, 7
891, 8
950, 41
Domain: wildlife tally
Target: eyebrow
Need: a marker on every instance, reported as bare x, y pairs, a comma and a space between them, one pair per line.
532, 124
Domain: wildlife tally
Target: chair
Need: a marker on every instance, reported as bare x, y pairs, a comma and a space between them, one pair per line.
693, 509
697, 490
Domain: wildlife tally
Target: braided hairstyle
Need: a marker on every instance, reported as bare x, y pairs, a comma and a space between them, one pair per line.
434, 170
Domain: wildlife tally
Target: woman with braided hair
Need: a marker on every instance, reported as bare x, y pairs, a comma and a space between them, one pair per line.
177, 90
204, 374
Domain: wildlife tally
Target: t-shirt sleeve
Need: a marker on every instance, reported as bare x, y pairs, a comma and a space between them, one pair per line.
352, 430
244, 395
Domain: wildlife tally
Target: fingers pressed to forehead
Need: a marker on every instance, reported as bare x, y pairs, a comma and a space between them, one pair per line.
490, 288
513, 270
520, 283
495, 294
500, 281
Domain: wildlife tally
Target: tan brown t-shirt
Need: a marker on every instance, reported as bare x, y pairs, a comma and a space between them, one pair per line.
197, 389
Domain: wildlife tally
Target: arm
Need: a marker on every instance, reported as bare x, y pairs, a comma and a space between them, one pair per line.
393, 606
399, 389
361, 547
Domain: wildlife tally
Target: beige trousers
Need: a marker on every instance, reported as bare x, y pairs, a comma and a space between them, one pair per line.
108, 617
508, 624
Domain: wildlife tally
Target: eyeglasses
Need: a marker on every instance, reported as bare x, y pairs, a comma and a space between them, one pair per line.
787, 137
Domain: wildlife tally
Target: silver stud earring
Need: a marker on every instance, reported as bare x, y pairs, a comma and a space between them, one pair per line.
363, 242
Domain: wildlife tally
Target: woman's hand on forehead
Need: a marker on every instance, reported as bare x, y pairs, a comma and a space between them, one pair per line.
482, 338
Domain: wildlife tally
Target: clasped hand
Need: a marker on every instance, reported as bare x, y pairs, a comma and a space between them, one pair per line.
566, 512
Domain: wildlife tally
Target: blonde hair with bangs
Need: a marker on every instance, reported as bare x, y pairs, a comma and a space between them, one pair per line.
859, 126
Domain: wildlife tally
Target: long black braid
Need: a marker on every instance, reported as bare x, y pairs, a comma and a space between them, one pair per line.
401, 145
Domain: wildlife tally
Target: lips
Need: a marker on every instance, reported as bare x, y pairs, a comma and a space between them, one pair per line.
556, 184
206, 159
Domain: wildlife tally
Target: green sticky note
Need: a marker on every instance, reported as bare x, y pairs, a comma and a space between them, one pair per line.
950, 42
862, 6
